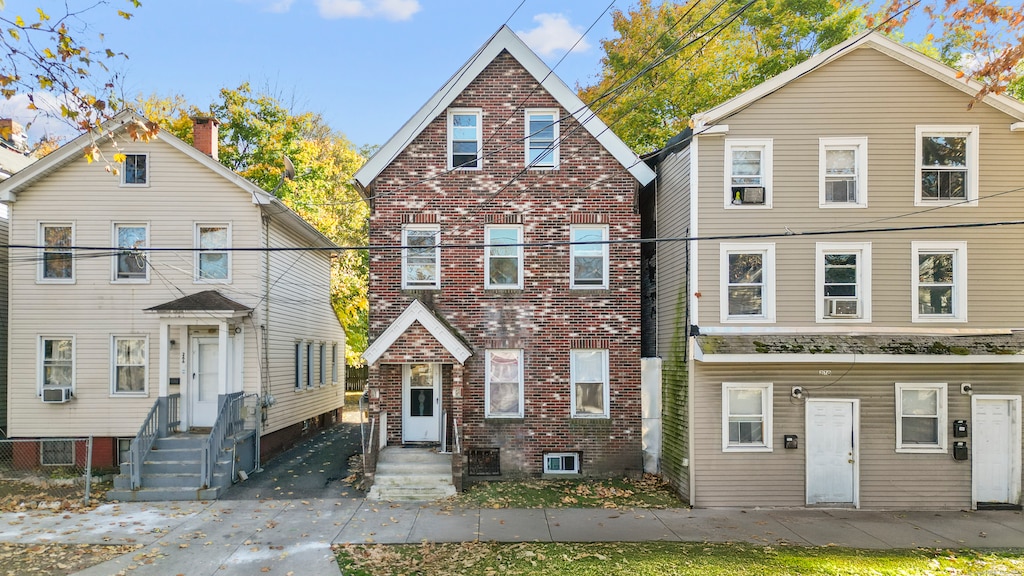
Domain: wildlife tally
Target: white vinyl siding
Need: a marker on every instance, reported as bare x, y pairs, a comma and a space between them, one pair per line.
843, 172
748, 173
588, 264
421, 256
939, 281
542, 131
746, 417
503, 387
920, 417
947, 166
747, 282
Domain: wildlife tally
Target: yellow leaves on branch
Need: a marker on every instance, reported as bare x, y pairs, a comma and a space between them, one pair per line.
142, 131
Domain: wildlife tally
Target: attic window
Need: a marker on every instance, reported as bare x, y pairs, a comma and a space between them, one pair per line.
136, 170
464, 139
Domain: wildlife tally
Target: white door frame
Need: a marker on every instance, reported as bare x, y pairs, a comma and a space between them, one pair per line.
192, 391
855, 407
1014, 448
407, 399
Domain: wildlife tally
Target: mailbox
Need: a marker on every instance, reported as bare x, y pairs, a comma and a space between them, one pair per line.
959, 428
959, 450
790, 441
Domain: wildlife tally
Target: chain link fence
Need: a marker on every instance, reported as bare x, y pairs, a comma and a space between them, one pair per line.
50, 473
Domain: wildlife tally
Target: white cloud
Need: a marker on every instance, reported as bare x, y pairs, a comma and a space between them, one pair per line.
553, 34
46, 121
388, 9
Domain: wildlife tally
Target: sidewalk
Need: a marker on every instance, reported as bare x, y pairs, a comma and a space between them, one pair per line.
244, 537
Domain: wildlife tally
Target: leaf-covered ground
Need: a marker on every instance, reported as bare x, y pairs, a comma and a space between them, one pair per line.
55, 559
650, 491
659, 558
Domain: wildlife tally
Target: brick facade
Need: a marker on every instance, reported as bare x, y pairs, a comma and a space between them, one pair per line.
545, 319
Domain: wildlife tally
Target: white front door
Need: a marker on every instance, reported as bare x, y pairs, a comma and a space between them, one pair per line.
421, 402
831, 445
202, 390
995, 467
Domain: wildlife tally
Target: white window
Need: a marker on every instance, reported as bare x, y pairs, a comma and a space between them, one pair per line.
589, 259
843, 282
504, 386
843, 172
128, 369
323, 363
589, 375
334, 363
56, 362
57, 453
503, 261
464, 139
748, 282
136, 171
213, 259
300, 366
309, 364
746, 417
920, 417
130, 261
939, 281
56, 260
748, 173
562, 463
947, 166
421, 256
542, 138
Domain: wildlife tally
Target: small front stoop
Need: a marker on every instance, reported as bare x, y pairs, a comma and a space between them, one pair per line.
171, 471
412, 474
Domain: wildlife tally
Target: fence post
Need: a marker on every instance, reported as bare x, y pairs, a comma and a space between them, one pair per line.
88, 471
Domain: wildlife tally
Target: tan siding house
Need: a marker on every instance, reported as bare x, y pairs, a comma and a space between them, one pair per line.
163, 286
856, 338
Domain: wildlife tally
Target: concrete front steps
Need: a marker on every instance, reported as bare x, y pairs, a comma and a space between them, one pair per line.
412, 474
171, 471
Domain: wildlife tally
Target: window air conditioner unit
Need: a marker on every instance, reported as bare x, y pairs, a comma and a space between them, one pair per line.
843, 307
56, 395
748, 195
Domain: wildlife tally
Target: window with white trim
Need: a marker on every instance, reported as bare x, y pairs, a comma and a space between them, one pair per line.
843, 172
939, 281
748, 282
309, 364
213, 259
300, 365
562, 463
56, 362
542, 138
464, 139
129, 366
503, 387
136, 170
56, 260
748, 173
920, 417
746, 417
843, 282
334, 362
421, 256
503, 257
589, 256
323, 363
130, 261
589, 376
947, 166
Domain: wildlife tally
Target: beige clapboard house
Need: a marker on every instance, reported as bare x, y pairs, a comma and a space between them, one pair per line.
173, 297
845, 328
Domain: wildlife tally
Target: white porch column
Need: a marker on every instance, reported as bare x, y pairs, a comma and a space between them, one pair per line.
222, 358
165, 350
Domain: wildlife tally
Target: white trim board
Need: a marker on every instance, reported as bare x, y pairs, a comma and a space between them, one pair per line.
416, 312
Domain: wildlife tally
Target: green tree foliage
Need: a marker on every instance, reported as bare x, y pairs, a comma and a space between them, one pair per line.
671, 60
256, 134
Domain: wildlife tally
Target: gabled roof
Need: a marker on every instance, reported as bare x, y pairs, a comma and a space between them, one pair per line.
503, 39
116, 127
207, 301
869, 39
417, 312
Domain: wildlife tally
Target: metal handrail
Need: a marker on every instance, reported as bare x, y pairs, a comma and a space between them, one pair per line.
224, 427
142, 443
457, 443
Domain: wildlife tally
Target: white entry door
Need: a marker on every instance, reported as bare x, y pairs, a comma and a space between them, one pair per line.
421, 402
995, 465
832, 454
202, 390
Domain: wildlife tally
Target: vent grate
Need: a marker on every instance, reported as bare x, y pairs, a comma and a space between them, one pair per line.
484, 461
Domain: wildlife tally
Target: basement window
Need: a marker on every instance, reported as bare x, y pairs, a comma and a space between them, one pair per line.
57, 453
562, 463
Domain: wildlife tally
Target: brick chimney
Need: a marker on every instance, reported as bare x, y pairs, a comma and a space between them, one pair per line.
204, 135
13, 133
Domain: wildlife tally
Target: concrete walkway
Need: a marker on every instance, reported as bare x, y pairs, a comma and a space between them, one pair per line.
245, 537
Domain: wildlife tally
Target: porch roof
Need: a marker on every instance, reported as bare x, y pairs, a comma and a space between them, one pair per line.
1002, 348
438, 328
208, 302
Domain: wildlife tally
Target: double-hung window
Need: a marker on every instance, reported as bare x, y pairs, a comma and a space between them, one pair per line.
939, 281
130, 261
748, 282
464, 139
56, 262
843, 282
542, 138
213, 259
589, 263
56, 362
300, 365
748, 173
589, 374
309, 364
421, 256
746, 417
843, 172
503, 257
947, 165
129, 365
334, 362
503, 389
920, 417
323, 363
136, 172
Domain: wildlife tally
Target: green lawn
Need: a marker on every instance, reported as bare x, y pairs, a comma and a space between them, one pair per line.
660, 558
650, 491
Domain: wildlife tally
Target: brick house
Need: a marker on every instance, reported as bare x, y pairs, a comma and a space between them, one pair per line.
506, 327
